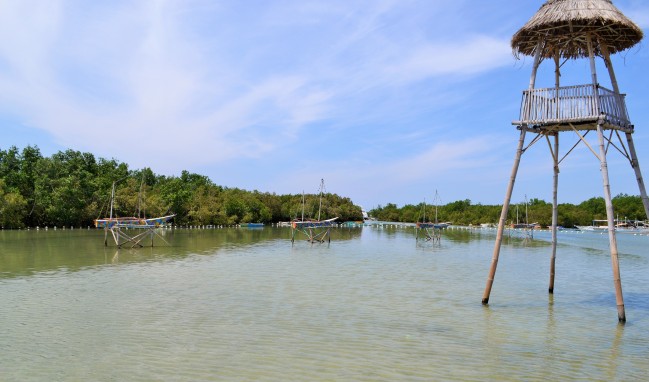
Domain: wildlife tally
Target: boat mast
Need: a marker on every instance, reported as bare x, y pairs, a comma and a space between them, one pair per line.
302, 205
112, 200
517, 214
320, 206
140, 198
436, 201
423, 220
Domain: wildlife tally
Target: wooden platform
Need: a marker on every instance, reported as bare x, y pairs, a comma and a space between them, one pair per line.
580, 107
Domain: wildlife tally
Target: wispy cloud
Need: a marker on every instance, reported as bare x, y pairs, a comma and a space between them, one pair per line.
444, 165
137, 78
474, 55
358, 91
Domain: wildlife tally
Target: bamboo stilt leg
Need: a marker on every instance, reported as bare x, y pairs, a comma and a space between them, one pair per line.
610, 215
638, 174
555, 178
115, 233
619, 299
503, 218
555, 212
635, 164
510, 188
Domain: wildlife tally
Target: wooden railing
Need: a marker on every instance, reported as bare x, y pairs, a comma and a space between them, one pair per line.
580, 103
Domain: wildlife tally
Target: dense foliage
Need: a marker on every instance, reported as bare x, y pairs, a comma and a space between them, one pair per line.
462, 212
72, 188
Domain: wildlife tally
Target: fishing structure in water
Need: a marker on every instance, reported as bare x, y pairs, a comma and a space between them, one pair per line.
526, 228
430, 230
563, 30
120, 227
316, 231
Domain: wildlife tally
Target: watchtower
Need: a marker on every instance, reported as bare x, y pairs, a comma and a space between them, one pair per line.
565, 30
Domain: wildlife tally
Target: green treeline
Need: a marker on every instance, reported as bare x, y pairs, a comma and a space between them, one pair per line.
72, 188
462, 212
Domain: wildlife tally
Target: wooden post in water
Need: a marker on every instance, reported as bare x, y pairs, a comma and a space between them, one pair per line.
635, 164
508, 194
610, 217
555, 178
502, 221
610, 214
555, 211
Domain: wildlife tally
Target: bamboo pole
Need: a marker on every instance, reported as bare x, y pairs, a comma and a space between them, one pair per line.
591, 56
610, 214
555, 211
503, 218
555, 179
611, 74
635, 164
510, 189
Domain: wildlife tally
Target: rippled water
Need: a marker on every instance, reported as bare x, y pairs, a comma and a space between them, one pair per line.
238, 304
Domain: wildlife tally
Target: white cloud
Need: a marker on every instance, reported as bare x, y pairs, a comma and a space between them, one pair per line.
454, 155
409, 179
133, 81
475, 55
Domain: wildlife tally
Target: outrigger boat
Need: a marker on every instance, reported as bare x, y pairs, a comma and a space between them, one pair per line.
430, 230
118, 225
315, 230
133, 222
621, 226
527, 228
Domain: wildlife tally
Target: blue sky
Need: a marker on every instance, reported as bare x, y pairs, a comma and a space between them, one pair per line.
387, 100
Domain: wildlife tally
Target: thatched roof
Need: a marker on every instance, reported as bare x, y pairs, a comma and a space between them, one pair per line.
563, 24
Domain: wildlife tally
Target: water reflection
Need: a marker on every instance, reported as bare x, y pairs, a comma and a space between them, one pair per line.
613, 361
27, 252
550, 333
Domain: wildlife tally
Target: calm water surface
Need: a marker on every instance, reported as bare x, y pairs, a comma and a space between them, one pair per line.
239, 304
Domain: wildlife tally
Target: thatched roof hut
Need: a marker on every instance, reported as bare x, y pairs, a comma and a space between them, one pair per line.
572, 29
563, 25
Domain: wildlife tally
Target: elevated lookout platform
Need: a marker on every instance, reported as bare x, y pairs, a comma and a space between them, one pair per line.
569, 108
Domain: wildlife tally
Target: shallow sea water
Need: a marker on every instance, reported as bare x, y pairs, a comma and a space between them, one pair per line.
240, 304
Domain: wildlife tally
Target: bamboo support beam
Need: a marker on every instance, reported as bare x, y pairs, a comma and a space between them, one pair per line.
610, 214
555, 181
635, 164
610, 217
611, 74
555, 212
510, 189
503, 218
